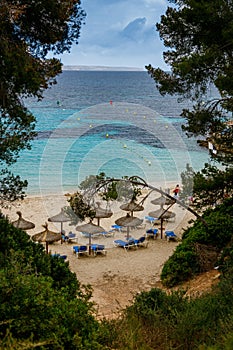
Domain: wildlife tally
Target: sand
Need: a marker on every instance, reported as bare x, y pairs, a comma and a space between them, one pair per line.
119, 275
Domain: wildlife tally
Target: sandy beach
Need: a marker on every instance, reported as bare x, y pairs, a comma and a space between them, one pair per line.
119, 275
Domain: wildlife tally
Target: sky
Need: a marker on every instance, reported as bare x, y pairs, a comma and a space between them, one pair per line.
119, 33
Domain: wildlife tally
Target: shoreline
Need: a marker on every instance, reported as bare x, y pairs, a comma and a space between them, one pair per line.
168, 184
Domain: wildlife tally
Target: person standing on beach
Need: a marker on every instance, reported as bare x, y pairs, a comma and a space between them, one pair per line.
176, 191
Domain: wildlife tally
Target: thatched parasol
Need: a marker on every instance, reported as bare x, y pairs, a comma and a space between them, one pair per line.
91, 229
162, 214
22, 223
101, 213
163, 201
46, 236
131, 207
128, 221
60, 217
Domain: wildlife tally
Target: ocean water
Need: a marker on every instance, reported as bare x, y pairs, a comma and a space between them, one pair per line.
115, 122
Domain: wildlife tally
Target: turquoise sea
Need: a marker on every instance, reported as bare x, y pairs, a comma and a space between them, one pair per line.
116, 122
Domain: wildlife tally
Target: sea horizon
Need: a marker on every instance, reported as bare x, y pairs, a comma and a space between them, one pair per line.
102, 68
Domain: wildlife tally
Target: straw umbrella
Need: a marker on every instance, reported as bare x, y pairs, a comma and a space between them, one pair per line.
91, 229
163, 201
101, 213
46, 236
131, 207
60, 217
22, 223
128, 221
162, 214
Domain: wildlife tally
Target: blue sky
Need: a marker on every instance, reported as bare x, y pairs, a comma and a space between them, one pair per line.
119, 33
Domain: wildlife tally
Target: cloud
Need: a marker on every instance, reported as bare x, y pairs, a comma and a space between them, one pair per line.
119, 32
137, 30
134, 29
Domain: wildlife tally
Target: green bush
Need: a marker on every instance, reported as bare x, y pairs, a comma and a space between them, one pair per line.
215, 235
41, 301
158, 320
181, 266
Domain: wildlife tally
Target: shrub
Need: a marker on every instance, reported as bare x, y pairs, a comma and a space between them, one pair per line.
181, 266
41, 302
201, 246
158, 320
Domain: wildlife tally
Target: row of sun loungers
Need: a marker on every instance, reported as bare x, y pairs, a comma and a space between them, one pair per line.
134, 243
150, 233
131, 243
109, 233
72, 237
170, 235
100, 248
95, 249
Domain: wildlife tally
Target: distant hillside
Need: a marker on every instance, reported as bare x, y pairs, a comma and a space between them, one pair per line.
102, 68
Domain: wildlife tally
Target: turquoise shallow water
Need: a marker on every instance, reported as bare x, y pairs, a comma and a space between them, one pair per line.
114, 122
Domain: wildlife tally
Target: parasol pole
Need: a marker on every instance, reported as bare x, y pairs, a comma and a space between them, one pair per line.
61, 233
89, 243
127, 232
161, 228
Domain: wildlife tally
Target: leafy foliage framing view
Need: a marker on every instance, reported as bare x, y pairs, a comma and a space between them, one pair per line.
199, 37
43, 305
29, 31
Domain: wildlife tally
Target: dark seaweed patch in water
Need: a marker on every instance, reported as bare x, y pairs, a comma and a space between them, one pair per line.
126, 132
43, 134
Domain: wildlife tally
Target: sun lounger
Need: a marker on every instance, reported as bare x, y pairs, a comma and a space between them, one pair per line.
82, 249
110, 233
125, 245
72, 237
152, 233
141, 242
98, 248
57, 255
63, 257
142, 226
64, 238
86, 234
150, 219
170, 235
117, 228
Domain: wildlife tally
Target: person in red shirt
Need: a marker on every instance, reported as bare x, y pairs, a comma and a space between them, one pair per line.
176, 191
